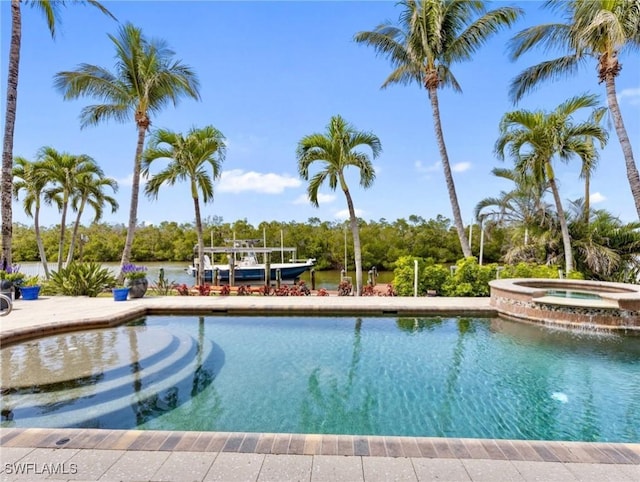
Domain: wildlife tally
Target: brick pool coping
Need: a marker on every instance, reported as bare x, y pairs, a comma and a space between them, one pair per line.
46, 316
317, 444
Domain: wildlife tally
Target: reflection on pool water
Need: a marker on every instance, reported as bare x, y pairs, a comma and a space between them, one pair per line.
452, 377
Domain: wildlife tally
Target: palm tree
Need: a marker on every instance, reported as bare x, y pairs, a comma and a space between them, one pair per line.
191, 156
336, 150
51, 11
90, 191
521, 208
596, 116
145, 80
64, 171
604, 248
432, 35
601, 29
535, 138
28, 177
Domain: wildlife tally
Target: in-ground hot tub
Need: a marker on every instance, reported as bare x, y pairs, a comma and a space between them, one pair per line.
570, 303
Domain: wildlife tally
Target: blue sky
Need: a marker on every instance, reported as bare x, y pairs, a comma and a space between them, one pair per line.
273, 72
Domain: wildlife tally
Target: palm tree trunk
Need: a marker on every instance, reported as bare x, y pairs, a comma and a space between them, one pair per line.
135, 192
43, 254
564, 229
453, 198
63, 222
357, 250
74, 235
632, 170
587, 200
200, 273
9, 126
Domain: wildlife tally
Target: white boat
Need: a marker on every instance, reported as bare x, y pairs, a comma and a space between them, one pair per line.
242, 257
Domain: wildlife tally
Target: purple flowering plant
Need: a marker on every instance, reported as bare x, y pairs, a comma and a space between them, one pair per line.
131, 271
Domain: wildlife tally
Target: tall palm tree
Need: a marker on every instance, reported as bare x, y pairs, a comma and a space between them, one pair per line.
600, 29
28, 177
90, 191
534, 138
433, 35
191, 157
64, 171
336, 150
50, 9
146, 79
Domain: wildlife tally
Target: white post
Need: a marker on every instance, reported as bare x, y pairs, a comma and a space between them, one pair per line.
212, 238
481, 240
415, 278
281, 246
264, 237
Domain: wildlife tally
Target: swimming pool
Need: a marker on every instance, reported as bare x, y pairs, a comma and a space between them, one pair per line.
450, 377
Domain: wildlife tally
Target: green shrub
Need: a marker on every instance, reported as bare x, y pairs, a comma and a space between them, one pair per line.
80, 279
434, 277
469, 279
532, 270
403, 275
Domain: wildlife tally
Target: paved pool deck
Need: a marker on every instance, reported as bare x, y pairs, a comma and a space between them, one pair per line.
109, 455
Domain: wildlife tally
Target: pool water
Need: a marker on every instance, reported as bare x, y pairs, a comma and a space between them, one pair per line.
442, 377
576, 295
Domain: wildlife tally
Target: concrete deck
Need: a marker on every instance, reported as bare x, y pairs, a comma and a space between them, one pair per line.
90, 454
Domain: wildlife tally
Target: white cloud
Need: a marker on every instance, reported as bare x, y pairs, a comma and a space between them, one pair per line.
596, 198
238, 180
426, 169
461, 167
632, 95
322, 198
344, 214
128, 181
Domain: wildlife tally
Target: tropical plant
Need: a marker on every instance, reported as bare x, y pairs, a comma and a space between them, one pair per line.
336, 151
191, 156
431, 36
30, 281
534, 138
604, 248
80, 279
51, 12
146, 79
65, 171
29, 177
90, 191
163, 286
600, 29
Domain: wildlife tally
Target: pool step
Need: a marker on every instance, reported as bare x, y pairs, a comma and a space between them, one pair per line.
83, 406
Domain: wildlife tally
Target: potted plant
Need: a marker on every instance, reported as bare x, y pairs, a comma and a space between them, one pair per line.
120, 293
10, 282
135, 279
30, 288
